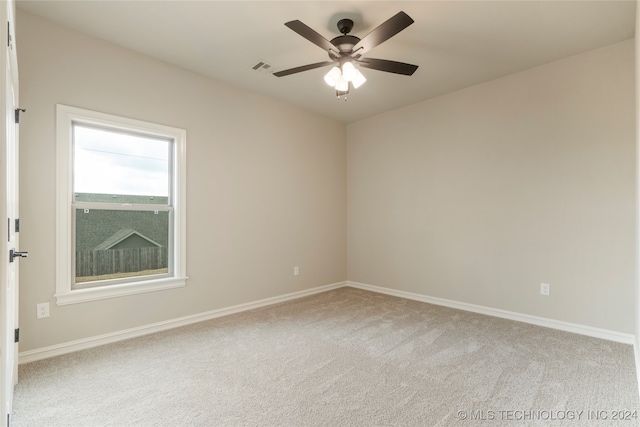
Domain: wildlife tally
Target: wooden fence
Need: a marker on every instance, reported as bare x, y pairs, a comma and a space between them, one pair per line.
112, 261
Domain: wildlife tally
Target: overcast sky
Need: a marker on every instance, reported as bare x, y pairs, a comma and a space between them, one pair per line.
119, 163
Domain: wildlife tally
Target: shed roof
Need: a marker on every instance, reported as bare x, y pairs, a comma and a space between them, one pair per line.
121, 235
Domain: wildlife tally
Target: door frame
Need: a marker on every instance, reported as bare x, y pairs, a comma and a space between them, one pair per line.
8, 201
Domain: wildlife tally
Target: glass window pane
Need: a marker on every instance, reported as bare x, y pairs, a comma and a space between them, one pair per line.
112, 244
109, 165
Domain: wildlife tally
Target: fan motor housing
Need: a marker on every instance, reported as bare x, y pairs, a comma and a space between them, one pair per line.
345, 43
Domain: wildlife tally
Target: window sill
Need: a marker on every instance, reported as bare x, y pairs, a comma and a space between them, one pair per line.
112, 291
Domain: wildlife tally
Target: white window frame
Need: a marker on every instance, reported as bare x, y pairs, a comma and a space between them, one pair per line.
65, 259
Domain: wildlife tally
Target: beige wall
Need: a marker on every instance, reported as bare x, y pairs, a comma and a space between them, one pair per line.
480, 195
266, 184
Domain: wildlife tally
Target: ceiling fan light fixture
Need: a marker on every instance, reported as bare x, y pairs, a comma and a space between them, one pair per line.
345, 52
348, 71
332, 77
358, 80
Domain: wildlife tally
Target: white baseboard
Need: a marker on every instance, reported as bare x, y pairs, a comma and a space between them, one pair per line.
83, 344
86, 343
590, 331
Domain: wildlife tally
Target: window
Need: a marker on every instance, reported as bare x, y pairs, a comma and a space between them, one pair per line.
121, 206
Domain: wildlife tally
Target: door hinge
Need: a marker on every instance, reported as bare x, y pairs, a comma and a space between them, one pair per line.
18, 110
17, 335
17, 228
9, 35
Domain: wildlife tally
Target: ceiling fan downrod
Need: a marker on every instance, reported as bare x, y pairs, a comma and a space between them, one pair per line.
345, 26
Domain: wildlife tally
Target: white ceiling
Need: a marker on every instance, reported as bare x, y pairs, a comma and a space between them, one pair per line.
456, 43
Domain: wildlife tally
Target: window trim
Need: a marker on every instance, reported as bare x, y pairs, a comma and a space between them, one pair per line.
65, 116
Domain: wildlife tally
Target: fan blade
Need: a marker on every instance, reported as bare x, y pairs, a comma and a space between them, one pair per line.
384, 32
302, 68
311, 35
388, 66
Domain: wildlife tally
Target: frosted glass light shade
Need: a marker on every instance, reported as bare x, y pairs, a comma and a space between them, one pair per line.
342, 85
358, 80
332, 77
348, 71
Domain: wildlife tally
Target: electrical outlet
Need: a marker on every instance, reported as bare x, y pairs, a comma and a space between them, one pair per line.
42, 310
544, 289
296, 271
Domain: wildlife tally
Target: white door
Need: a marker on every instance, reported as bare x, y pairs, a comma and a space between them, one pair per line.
9, 213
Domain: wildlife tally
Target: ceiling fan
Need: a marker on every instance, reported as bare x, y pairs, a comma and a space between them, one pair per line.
346, 51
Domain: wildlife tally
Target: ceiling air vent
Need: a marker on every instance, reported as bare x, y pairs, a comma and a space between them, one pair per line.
262, 67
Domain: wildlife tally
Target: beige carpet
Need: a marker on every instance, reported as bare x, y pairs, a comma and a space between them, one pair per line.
341, 358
